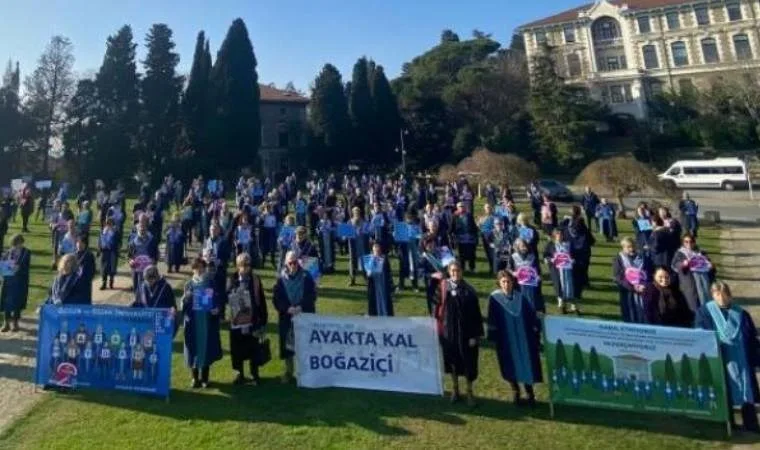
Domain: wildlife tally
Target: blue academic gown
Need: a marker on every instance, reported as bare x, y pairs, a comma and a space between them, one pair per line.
203, 345
282, 302
175, 247
514, 328
379, 291
739, 349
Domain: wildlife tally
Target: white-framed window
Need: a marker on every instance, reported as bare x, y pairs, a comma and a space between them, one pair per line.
649, 52
710, 53
573, 65
569, 32
734, 10
644, 25
674, 20
702, 14
680, 54
742, 47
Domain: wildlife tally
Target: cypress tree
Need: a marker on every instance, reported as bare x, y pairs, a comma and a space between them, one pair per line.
578, 365
560, 359
593, 361
687, 376
361, 111
328, 119
705, 374
234, 96
670, 370
387, 121
195, 103
161, 90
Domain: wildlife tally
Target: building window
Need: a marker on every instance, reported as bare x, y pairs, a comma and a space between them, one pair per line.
644, 25
703, 14
573, 65
605, 29
605, 95
680, 55
569, 34
612, 63
742, 47
540, 37
628, 93
710, 51
685, 85
734, 11
616, 94
674, 20
650, 57
654, 87
282, 139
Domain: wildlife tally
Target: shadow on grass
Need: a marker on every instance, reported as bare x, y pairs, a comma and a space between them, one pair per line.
272, 402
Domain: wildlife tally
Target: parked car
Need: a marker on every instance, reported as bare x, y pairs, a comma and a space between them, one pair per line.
555, 190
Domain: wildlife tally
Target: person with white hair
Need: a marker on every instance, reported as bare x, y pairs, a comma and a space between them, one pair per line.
294, 293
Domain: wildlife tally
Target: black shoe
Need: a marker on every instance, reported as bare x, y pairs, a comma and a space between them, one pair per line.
532, 401
102, 287
517, 400
195, 384
239, 379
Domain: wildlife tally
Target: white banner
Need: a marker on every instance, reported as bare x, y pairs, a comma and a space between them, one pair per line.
400, 354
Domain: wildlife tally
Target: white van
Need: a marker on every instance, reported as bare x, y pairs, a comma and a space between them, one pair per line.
722, 173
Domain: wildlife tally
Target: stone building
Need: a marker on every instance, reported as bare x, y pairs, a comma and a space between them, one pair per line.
283, 129
625, 51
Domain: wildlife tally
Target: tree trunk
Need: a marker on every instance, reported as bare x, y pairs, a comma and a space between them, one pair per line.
621, 211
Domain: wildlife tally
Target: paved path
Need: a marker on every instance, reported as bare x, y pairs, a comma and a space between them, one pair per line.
18, 350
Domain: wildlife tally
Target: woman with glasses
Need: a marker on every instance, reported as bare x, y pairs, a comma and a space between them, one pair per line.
294, 293
740, 350
695, 273
460, 327
155, 292
664, 303
248, 317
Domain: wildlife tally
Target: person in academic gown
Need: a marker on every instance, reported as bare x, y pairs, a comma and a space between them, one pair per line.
664, 303
526, 268
689, 214
590, 203
464, 232
15, 289
358, 246
695, 273
432, 270
203, 345
294, 292
380, 285
326, 237
740, 350
217, 252
63, 290
642, 226
630, 270
560, 259
109, 253
514, 328
527, 233
605, 215
86, 271
141, 244
581, 240
409, 254
486, 227
460, 328
303, 248
155, 292
248, 317
659, 244
498, 245
175, 246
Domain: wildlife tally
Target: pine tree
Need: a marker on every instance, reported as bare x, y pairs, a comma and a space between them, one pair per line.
361, 111
235, 133
161, 90
117, 86
15, 127
79, 138
328, 119
387, 121
195, 104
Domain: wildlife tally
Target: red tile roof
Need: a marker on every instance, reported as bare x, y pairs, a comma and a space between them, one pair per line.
270, 94
572, 14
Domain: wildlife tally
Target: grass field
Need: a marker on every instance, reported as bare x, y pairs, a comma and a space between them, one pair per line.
277, 416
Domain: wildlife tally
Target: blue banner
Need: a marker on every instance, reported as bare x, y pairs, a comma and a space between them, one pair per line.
105, 347
346, 231
401, 232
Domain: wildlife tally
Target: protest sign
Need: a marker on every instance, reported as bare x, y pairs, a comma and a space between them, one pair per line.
632, 367
346, 231
105, 347
400, 354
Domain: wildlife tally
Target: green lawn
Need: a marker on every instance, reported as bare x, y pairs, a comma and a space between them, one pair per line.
276, 416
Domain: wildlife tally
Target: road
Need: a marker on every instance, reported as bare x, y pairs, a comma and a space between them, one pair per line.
733, 206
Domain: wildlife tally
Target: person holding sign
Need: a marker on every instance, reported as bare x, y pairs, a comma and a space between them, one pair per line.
407, 237
642, 226
358, 243
460, 327
498, 245
248, 317
294, 293
464, 233
514, 328
142, 251
201, 308
740, 350
559, 257
268, 233
664, 304
155, 292
175, 245
486, 226
433, 270
109, 253
15, 289
379, 283
605, 215
285, 240
689, 214
525, 267
695, 273
326, 243
631, 269
244, 236
64, 288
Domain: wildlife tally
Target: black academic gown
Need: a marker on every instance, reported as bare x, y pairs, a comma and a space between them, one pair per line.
86, 261
459, 320
244, 344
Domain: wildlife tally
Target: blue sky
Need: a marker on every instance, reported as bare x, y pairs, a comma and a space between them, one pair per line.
292, 39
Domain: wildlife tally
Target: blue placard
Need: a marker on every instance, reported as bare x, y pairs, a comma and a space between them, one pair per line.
372, 264
7, 268
287, 235
67, 246
447, 256
346, 231
401, 232
487, 226
378, 221
414, 232
502, 211
644, 224
311, 265
300, 207
526, 234
105, 347
203, 299
258, 191
243, 235
213, 186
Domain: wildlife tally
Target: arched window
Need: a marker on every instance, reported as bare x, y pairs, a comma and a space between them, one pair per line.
710, 51
650, 57
680, 55
605, 29
742, 47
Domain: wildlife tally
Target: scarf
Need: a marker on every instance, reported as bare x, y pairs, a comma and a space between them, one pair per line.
294, 286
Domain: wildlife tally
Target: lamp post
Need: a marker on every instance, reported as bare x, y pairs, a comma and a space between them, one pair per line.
401, 133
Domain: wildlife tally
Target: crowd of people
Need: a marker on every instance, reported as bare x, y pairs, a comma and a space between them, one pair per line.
433, 233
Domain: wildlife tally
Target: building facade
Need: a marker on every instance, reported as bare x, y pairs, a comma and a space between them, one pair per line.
626, 51
283, 129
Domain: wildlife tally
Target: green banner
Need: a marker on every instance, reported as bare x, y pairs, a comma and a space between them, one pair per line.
641, 368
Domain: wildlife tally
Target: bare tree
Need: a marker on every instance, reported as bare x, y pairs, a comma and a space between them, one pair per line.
48, 90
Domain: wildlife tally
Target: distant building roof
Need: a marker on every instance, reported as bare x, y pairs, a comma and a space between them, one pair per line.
270, 94
572, 14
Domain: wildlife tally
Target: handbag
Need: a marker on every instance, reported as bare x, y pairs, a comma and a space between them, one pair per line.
264, 352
